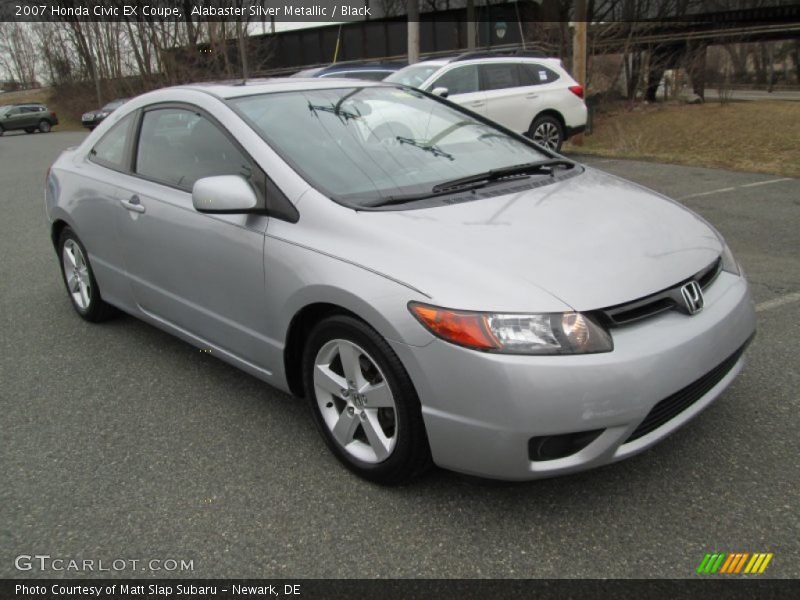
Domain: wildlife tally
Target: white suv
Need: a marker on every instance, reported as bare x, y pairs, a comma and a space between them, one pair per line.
533, 96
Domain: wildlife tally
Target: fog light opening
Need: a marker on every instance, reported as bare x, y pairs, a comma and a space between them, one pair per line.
552, 447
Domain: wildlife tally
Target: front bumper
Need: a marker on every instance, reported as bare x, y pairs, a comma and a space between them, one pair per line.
481, 410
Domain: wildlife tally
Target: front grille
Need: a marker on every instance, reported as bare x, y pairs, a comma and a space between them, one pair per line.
649, 306
675, 404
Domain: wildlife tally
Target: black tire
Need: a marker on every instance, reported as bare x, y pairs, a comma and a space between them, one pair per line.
547, 131
411, 454
44, 126
30, 129
97, 310
2, 131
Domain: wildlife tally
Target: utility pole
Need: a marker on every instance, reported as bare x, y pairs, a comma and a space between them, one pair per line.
471, 25
579, 53
413, 31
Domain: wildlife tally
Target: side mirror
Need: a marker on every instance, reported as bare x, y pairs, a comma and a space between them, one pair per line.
441, 91
223, 194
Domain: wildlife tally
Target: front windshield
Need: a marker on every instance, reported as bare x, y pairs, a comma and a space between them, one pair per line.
415, 75
359, 145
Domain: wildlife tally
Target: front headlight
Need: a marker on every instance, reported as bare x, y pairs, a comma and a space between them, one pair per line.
729, 263
547, 333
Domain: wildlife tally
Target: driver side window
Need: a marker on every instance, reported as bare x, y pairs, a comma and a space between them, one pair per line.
178, 146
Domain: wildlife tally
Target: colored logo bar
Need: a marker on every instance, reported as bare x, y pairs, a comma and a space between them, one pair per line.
735, 563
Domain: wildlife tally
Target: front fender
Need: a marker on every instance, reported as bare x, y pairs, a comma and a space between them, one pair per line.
297, 277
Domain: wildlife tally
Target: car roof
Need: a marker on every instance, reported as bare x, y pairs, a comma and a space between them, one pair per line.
364, 66
229, 89
439, 62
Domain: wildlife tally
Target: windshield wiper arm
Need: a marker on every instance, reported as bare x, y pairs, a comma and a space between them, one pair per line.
390, 200
501, 173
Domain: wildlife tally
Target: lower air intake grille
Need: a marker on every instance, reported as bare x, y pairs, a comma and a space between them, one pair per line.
675, 404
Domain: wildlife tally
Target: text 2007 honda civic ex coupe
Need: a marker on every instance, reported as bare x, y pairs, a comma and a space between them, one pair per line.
439, 289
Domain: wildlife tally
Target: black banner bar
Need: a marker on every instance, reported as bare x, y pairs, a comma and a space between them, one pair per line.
391, 589
338, 11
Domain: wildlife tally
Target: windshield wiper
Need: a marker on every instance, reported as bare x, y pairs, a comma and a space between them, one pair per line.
472, 181
343, 114
427, 146
481, 179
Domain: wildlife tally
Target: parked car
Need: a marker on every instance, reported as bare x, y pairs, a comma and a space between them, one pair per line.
90, 120
438, 288
527, 93
28, 117
373, 71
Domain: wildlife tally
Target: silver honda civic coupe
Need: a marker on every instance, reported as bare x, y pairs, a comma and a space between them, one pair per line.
439, 289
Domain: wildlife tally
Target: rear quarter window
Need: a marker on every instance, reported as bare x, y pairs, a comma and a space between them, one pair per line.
110, 151
533, 74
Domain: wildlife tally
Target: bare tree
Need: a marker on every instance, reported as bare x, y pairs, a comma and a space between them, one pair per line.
18, 52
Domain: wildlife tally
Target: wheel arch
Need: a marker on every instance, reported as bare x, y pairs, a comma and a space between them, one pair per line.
299, 329
552, 112
56, 228
391, 320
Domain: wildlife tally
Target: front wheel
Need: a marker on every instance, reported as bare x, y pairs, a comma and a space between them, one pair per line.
79, 279
363, 402
547, 131
44, 126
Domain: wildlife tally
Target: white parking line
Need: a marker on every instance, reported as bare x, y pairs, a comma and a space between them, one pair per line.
766, 182
735, 187
719, 191
779, 301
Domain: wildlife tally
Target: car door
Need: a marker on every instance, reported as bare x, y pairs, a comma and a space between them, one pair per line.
200, 274
463, 87
508, 102
95, 206
15, 119
33, 116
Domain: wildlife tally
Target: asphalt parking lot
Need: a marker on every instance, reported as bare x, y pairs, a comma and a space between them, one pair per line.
119, 441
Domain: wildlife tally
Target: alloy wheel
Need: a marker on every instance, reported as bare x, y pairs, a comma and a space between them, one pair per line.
355, 401
547, 135
76, 273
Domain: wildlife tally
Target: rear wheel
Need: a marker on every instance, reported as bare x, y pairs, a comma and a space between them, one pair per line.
79, 279
363, 402
44, 126
2, 131
546, 131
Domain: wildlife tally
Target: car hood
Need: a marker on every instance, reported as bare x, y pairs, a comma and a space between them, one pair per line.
586, 242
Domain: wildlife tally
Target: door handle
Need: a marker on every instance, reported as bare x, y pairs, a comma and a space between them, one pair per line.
133, 204
531, 96
478, 103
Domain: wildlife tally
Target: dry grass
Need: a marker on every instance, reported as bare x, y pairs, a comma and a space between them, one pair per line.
66, 122
759, 136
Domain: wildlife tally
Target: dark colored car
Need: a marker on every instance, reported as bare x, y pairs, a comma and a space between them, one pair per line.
373, 71
28, 117
92, 119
